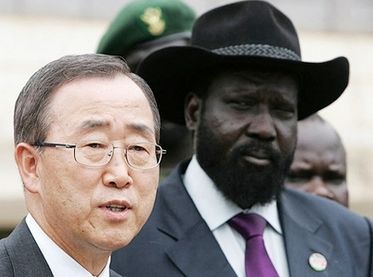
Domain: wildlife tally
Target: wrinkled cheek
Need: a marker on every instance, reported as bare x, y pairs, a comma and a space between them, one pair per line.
68, 203
54, 198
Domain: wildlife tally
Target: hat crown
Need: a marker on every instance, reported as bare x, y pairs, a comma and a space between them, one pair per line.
248, 24
145, 20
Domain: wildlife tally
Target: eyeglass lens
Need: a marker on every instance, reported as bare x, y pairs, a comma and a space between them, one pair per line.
141, 155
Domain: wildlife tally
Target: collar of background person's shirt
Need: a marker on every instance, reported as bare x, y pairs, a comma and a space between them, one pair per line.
214, 208
60, 263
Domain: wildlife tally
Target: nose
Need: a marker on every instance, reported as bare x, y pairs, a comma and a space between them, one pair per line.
318, 187
117, 172
261, 126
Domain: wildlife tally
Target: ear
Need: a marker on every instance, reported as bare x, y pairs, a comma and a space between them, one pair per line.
192, 110
27, 159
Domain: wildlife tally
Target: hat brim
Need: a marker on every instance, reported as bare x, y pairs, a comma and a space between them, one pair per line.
168, 72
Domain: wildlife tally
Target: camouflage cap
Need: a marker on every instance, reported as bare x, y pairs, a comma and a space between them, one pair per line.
145, 20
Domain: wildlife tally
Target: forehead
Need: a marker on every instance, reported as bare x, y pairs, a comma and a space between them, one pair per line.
310, 132
100, 103
273, 83
320, 140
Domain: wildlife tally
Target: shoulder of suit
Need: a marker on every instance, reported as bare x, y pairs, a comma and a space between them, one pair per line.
322, 208
5, 263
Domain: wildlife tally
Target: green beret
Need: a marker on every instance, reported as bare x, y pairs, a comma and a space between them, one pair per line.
145, 20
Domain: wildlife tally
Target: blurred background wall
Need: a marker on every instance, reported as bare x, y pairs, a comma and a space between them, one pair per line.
34, 32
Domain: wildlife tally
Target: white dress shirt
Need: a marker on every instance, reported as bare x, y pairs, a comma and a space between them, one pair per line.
216, 210
60, 263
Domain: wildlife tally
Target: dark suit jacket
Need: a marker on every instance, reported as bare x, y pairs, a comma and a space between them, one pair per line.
177, 242
20, 256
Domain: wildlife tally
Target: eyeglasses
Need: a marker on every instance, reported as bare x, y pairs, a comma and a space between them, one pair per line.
142, 155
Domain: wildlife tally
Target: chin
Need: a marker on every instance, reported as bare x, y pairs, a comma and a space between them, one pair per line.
114, 243
113, 239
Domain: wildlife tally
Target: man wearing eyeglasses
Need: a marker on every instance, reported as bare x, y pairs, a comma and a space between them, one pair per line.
86, 132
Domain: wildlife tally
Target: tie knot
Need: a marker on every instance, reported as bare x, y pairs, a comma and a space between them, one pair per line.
248, 225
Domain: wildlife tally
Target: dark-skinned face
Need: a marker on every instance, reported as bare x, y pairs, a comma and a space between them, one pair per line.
245, 133
319, 165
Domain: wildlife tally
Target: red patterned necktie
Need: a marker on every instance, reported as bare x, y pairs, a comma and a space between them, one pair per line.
257, 262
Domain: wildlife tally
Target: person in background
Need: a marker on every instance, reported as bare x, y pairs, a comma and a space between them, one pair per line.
140, 28
240, 87
85, 132
319, 164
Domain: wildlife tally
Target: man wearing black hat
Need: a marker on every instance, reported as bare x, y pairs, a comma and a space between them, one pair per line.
225, 212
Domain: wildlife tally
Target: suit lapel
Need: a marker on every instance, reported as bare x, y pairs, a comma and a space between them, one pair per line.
25, 255
114, 274
195, 249
301, 238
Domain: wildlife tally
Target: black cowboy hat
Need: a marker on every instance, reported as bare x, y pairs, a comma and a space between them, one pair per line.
246, 33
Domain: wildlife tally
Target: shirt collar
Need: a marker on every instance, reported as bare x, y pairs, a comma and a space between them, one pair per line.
214, 208
60, 263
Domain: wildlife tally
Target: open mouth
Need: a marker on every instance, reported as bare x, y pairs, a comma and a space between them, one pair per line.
116, 211
116, 208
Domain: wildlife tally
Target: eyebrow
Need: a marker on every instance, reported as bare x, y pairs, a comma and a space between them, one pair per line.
281, 98
337, 167
141, 128
277, 96
300, 166
91, 124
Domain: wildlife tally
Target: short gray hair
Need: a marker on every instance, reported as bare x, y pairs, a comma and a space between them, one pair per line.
31, 112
